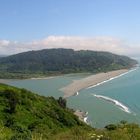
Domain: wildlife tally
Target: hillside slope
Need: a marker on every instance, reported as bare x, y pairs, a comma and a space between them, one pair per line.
28, 116
56, 61
24, 114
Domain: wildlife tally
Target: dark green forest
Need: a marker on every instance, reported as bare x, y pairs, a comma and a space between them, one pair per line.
60, 61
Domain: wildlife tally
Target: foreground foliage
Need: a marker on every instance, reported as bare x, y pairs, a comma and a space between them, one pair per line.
27, 116
24, 114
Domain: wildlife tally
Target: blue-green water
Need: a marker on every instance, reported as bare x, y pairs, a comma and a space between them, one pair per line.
125, 89
47, 87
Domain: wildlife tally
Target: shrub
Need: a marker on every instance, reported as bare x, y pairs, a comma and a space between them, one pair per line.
9, 121
111, 127
12, 100
33, 125
21, 136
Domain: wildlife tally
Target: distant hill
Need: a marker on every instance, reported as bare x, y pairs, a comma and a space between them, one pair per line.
3, 56
56, 61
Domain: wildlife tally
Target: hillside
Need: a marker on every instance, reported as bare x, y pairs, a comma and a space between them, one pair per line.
60, 61
28, 116
3, 55
24, 114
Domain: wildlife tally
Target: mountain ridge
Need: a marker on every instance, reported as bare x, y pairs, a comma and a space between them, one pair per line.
62, 61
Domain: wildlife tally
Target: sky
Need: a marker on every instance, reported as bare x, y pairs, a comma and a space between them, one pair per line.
102, 25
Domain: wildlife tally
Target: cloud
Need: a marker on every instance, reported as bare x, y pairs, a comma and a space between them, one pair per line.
110, 44
4, 42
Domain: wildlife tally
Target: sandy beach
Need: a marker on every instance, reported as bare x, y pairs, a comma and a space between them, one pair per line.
41, 78
4, 81
92, 80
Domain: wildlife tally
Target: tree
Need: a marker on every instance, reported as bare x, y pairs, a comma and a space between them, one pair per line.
62, 102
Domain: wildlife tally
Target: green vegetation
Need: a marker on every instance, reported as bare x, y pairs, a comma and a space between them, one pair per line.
25, 115
28, 116
60, 61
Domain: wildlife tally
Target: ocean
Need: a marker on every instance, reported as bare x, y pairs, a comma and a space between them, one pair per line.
109, 102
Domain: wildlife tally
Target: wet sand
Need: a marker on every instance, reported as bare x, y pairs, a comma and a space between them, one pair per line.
92, 80
43, 78
4, 81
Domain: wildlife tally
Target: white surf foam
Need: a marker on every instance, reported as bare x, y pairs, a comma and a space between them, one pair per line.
111, 79
86, 118
76, 94
117, 103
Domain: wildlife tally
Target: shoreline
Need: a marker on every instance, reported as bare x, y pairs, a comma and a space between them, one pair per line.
4, 81
43, 78
110, 79
88, 82
82, 115
92, 81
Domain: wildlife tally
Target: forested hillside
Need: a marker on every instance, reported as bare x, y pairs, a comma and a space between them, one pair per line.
57, 61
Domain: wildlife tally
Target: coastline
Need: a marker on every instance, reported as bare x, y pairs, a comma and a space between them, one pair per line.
91, 81
82, 115
4, 81
88, 82
40, 78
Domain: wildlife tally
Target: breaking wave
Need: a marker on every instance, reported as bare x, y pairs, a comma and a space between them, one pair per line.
112, 78
117, 103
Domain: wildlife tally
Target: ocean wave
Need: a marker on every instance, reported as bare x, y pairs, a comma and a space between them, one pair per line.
111, 79
117, 103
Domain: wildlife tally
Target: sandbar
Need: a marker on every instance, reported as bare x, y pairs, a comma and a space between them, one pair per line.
77, 85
